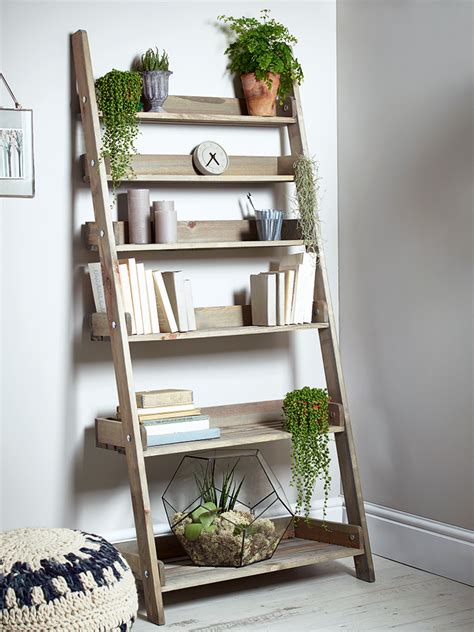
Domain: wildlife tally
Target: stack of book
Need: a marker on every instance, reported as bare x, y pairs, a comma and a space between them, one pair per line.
170, 416
156, 301
284, 296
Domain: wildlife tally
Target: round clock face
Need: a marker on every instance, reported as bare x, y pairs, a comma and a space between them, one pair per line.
210, 159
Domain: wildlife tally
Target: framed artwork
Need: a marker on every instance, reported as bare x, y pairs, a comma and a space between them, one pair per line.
17, 172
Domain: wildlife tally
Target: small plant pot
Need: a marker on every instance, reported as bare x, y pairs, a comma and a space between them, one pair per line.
155, 88
261, 100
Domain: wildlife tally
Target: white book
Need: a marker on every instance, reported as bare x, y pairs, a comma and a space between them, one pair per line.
304, 264
174, 283
188, 293
97, 282
137, 308
155, 325
289, 293
280, 298
127, 294
263, 299
144, 298
165, 313
156, 410
180, 426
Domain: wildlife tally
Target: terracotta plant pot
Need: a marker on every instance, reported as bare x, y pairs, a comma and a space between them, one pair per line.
261, 100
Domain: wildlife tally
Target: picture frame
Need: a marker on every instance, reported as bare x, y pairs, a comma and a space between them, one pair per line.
17, 171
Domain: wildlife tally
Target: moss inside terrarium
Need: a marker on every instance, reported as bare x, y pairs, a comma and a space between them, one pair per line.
234, 538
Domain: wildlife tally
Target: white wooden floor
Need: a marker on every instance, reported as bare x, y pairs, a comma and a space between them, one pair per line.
323, 597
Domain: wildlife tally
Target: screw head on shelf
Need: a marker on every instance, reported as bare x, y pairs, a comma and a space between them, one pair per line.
147, 574
92, 163
84, 99
101, 233
114, 324
352, 537
129, 438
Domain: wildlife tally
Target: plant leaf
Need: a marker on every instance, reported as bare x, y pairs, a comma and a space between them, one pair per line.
192, 531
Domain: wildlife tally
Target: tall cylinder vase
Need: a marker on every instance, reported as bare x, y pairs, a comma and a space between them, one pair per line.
139, 216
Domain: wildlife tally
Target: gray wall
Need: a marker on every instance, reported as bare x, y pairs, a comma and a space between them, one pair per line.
405, 225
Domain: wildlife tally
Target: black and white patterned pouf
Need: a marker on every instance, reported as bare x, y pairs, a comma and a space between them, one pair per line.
58, 579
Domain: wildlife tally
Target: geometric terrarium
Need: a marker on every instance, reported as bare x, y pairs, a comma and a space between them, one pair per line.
227, 508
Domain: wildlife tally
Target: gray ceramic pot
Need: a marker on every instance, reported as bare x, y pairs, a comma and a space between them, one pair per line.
155, 88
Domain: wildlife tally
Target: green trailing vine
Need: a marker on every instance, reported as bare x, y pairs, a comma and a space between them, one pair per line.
307, 189
118, 98
263, 45
307, 419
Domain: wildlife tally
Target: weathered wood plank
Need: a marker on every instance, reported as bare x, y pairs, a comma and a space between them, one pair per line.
119, 336
338, 533
158, 166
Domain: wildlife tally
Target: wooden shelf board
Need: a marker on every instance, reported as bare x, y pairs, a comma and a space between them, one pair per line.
209, 245
230, 437
225, 332
194, 118
189, 178
291, 553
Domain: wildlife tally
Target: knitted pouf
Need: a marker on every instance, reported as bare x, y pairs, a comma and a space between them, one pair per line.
58, 579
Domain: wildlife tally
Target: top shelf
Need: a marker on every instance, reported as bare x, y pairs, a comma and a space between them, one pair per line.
192, 110
214, 119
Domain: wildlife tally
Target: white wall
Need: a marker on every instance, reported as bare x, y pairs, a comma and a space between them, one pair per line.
55, 380
406, 272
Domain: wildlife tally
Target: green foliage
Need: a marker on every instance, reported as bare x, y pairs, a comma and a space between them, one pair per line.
152, 60
223, 499
307, 419
263, 45
307, 188
118, 97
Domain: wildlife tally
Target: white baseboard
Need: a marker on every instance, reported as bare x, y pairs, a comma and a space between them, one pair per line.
335, 512
431, 546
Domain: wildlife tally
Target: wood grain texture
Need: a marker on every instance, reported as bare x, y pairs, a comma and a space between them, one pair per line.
241, 424
201, 235
291, 553
334, 377
118, 334
217, 110
212, 322
176, 167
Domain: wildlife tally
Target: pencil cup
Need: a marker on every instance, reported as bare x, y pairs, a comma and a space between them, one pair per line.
269, 224
139, 216
166, 222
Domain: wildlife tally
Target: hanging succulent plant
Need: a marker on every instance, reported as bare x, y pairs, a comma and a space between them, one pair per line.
307, 419
118, 98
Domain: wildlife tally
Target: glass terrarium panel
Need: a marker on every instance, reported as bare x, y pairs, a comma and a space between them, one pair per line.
183, 492
264, 533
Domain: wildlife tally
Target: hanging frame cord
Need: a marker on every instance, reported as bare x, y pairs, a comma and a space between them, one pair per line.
17, 105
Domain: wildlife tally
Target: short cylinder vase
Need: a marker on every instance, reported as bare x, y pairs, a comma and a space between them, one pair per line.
155, 88
138, 216
166, 222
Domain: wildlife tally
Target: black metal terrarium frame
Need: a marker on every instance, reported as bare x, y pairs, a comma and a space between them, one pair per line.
214, 535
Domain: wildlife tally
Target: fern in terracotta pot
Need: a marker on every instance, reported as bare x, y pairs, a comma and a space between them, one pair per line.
261, 52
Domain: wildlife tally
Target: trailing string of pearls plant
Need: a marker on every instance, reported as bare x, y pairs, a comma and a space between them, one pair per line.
118, 98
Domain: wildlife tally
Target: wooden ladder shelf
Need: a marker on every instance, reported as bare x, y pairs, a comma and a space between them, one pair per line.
154, 561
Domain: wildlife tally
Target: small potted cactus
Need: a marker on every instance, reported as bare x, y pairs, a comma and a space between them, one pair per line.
155, 72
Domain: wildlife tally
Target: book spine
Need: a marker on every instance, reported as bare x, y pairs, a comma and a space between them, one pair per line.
145, 309
127, 294
188, 426
150, 287
188, 293
137, 309
164, 422
149, 399
182, 437
97, 283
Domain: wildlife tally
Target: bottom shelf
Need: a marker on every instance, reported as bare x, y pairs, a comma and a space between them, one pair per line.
291, 553
303, 544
